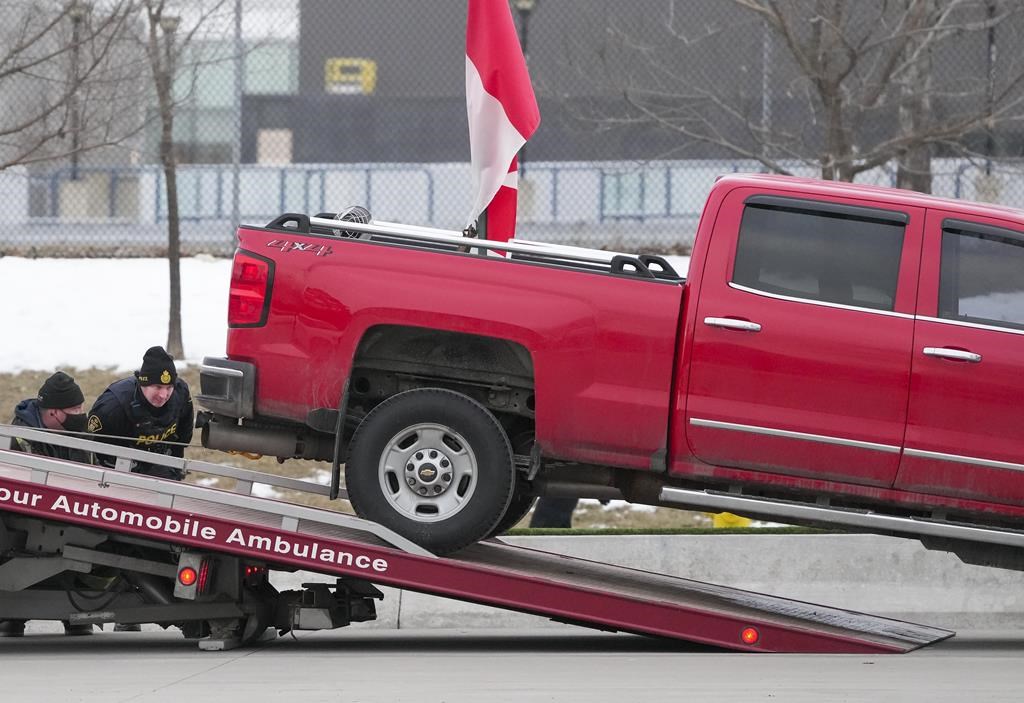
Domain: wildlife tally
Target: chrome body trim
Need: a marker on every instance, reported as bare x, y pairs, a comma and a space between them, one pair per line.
822, 303
221, 371
781, 510
973, 325
887, 313
790, 434
976, 461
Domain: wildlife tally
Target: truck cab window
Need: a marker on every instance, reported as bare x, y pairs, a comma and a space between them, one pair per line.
830, 254
982, 275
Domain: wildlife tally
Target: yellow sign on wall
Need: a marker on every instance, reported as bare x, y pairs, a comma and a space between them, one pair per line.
350, 76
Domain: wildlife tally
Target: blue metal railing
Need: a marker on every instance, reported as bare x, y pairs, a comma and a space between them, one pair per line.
566, 192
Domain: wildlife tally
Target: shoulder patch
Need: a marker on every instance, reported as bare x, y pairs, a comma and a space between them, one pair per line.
95, 425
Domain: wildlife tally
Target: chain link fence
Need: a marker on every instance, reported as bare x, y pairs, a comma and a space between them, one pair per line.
314, 105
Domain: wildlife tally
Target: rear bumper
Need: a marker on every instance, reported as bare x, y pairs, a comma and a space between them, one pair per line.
227, 387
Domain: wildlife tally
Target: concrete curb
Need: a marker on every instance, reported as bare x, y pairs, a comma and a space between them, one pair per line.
885, 576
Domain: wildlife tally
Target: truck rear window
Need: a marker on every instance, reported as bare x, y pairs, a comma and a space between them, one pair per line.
832, 254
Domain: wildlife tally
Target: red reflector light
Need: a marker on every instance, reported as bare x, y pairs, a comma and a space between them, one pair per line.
204, 575
250, 286
254, 573
750, 635
187, 576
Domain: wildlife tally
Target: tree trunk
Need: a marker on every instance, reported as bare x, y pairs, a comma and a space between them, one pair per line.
836, 160
914, 166
914, 169
174, 343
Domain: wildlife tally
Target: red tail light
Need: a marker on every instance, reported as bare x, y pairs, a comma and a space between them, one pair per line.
249, 298
187, 576
253, 576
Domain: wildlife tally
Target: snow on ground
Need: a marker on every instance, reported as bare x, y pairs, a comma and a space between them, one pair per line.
613, 505
84, 313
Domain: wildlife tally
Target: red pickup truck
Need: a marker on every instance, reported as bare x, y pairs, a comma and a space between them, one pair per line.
837, 353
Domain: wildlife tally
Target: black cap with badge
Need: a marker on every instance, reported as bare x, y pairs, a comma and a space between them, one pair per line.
157, 368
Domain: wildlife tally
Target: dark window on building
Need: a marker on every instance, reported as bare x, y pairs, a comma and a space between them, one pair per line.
835, 254
982, 276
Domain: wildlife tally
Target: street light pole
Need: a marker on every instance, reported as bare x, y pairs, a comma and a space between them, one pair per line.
766, 86
169, 25
524, 8
236, 137
77, 12
990, 64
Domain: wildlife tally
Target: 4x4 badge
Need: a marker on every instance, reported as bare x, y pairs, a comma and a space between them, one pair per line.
287, 246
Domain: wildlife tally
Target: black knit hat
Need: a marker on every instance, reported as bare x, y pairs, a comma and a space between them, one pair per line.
157, 367
60, 391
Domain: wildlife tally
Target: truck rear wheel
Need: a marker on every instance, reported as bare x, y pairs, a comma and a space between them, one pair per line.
434, 466
520, 506
523, 496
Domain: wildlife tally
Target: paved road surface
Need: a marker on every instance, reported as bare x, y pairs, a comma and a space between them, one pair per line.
474, 666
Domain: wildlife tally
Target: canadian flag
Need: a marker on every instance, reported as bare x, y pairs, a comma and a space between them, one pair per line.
502, 111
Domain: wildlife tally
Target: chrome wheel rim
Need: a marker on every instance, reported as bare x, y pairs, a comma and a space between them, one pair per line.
428, 472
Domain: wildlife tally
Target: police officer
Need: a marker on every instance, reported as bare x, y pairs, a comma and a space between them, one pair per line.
150, 411
58, 406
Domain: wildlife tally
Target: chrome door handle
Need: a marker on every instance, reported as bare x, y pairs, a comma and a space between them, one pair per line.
954, 354
731, 324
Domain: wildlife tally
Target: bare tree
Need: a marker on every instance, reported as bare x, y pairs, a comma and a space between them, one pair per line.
74, 69
53, 58
170, 37
853, 86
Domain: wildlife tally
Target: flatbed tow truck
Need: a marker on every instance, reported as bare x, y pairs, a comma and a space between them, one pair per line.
91, 545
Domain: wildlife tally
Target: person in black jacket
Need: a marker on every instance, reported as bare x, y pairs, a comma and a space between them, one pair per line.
58, 406
151, 411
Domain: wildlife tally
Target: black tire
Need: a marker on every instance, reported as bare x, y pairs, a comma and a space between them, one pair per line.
523, 496
518, 508
434, 466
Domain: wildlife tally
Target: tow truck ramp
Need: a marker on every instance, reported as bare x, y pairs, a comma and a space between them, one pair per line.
76, 514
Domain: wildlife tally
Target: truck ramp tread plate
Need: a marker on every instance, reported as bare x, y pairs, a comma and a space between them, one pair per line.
514, 578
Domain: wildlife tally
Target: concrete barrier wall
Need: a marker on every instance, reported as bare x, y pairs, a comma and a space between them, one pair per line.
886, 576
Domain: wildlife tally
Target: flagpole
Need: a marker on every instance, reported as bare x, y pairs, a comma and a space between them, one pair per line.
524, 8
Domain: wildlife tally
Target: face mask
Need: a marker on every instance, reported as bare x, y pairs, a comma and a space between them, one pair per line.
75, 423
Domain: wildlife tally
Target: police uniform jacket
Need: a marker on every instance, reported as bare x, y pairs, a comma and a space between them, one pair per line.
124, 412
